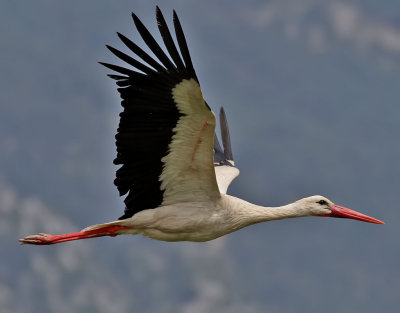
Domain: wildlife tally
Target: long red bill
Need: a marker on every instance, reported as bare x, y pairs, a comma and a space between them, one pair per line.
340, 211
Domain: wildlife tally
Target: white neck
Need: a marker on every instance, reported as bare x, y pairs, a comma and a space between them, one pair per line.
245, 213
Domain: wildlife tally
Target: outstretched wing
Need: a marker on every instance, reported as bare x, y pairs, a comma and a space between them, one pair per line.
165, 135
225, 169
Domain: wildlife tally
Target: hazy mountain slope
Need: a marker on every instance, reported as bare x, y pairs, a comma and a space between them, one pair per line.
311, 92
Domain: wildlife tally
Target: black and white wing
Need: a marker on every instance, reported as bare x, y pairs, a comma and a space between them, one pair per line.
225, 169
165, 135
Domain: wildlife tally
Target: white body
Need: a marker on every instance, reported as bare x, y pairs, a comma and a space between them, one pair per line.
203, 221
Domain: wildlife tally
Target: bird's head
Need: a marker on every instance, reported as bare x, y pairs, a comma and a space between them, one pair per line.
321, 206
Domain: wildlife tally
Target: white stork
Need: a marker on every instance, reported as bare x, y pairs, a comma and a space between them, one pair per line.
173, 169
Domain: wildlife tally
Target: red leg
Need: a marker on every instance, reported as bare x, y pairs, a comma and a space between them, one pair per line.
47, 239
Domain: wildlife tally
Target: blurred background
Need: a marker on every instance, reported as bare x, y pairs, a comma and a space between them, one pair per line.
311, 89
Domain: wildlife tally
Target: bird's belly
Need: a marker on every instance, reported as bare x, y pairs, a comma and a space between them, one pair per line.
184, 230
188, 226
181, 236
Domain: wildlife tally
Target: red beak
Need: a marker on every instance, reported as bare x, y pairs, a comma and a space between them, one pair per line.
340, 211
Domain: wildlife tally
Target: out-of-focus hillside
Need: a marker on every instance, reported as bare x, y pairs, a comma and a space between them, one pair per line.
311, 89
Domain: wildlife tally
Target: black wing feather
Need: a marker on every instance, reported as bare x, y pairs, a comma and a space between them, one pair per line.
226, 138
219, 155
149, 113
180, 37
118, 69
130, 60
223, 156
152, 44
117, 77
140, 53
168, 41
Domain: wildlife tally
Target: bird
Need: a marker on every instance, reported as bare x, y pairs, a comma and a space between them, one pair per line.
173, 171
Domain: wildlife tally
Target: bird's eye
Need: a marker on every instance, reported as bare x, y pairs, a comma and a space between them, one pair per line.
322, 202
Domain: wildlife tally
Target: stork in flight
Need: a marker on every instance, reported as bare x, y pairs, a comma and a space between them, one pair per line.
173, 169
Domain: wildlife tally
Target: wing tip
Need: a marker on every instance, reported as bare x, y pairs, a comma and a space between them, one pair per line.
158, 10
223, 155
226, 139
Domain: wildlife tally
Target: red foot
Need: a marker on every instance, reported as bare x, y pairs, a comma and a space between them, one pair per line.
41, 239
